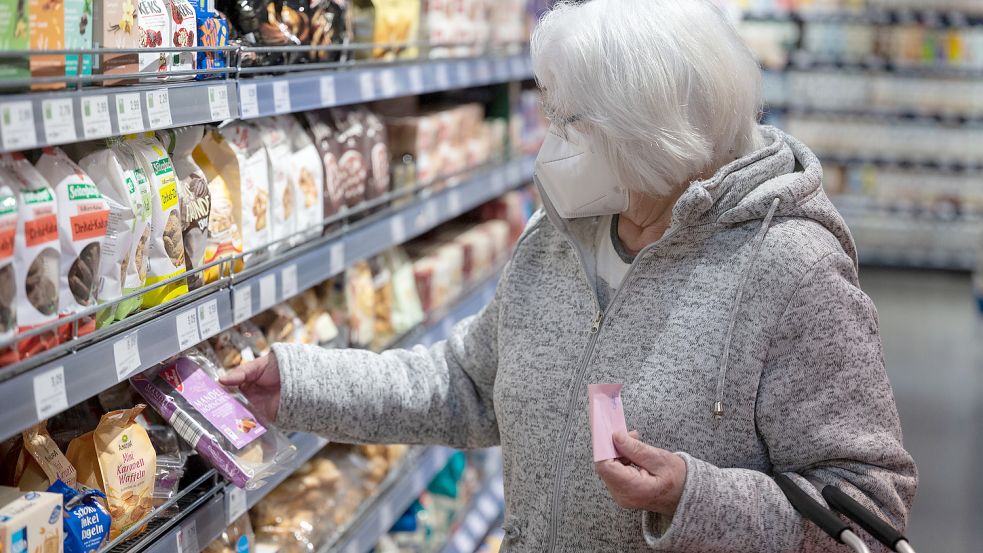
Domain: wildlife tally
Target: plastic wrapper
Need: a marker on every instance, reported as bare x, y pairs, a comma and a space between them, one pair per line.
360, 299
8, 281
219, 423
232, 349
237, 538
193, 196
86, 522
282, 324
255, 338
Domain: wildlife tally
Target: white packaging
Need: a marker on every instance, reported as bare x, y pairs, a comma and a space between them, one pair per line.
153, 31
254, 185
283, 208
166, 246
184, 34
82, 220
8, 280
193, 196
308, 178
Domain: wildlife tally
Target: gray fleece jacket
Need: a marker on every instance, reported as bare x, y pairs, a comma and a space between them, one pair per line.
741, 338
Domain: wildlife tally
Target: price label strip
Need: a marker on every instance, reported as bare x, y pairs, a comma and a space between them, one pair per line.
242, 303
248, 100
187, 538
397, 230
95, 117
59, 120
416, 79
17, 125
49, 393
388, 84
126, 354
366, 85
281, 96
218, 103
267, 292
208, 324
159, 108
288, 282
235, 503
337, 256
329, 96
187, 329
129, 115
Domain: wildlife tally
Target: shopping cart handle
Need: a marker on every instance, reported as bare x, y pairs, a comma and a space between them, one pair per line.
873, 524
822, 517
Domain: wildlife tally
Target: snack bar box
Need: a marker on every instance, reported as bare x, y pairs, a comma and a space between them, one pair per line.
30, 521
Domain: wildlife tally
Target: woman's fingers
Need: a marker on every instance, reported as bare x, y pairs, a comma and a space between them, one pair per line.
244, 374
640, 453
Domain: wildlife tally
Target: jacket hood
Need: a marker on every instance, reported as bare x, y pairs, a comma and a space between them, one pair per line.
746, 189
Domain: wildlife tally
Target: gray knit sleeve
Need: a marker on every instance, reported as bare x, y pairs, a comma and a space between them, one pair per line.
436, 395
826, 411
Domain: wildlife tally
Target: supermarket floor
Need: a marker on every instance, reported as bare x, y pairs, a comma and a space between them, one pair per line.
932, 347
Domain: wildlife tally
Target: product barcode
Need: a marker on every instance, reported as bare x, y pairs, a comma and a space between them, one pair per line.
187, 427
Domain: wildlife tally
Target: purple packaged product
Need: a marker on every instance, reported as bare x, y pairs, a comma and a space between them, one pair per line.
216, 422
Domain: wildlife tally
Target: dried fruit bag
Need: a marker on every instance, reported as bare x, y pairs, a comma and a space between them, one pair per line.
308, 177
281, 189
166, 247
123, 264
193, 195
219, 423
183, 35
219, 165
83, 216
8, 280
37, 259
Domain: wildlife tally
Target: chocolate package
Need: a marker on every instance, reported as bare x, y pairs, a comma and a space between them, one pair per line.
212, 31
353, 163
193, 195
376, 151
330, 25
219, 423
257, 24
324, 132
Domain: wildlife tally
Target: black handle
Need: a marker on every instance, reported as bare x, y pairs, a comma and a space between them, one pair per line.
873, 524
811, 509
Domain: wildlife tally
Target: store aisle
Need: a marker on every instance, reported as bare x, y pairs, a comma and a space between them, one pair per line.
931, 331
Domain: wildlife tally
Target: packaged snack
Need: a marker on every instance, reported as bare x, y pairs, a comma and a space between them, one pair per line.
237, 538
257, 23
255, 338
323, 129
86, 523
607, 416
166, 246
282, 324
236, 153
183, 31
213, 31
35, 462
30, 522
124, 261
353, 166
217, 422
47, 21
393, 22
224, 237
376, 149
232, 349
36, 252
115, 26
331, 25
407, 312
153, 31
14, 36
8, 279
193, 196
314, 314
167, 480
78, 36
283, 211
83, 218
360, 298
118, 458
295, 17
308, 177
383, 333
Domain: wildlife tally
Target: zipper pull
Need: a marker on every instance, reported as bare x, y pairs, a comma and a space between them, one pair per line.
597, 322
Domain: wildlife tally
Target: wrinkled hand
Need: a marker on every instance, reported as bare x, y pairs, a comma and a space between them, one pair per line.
646, 477
259, 381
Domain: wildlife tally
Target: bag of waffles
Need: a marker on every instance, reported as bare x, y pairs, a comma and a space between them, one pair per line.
35, 462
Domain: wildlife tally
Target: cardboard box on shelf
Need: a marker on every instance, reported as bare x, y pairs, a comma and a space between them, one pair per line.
30, 521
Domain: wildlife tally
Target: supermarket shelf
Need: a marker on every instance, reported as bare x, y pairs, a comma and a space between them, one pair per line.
905, 164
49, 118
485, 510
888, 115
809, 61
441, 323
101, 360
871, 16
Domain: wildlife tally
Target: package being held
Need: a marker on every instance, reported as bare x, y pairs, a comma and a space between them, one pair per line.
219, 423
166, 246
607, 416
83, 217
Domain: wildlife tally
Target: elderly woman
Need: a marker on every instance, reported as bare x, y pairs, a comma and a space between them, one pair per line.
683, 251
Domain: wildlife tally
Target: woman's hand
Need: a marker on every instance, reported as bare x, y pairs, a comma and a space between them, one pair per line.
259, 381
645, 478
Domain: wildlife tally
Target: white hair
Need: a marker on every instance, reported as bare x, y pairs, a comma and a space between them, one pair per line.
665, 89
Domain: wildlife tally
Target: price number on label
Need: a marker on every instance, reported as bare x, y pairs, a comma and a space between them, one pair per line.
248, 100
218, 103
187, 329
95, 117
126, 354
129, 116
328, 94
49, 393
17, 125
208, 323
159, 108
59, 120
242, 303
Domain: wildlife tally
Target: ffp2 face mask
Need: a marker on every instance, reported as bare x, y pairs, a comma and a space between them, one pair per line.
578, 181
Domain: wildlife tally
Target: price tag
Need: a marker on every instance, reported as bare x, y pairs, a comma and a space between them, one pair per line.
387, 83
59, 120
501, 70
281, 96
430, 213
397, 230
366, 85
242, 304
187, 538
235, 503
454, 201
328, 95
488, 508
267, 292
95, 117
159, 108
17, 125
498, 181
187, 329
208, 319
464, 74
248, 100
126, 354
416, 79
218, 103
288, 282
129, 116
337, 264
484, 71
442, 76
49, 393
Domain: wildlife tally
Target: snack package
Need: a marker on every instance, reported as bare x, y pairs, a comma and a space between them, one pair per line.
14, 36
30, 522
319, 325
47, 20
236, 154
383, 333
212, 31
376, 150
118, 458
407, 312
166, 246
8, 278
254, 337
220, 167
360, 298
232, 349
83, 218
124, 261
219, 423
353, 167
115, 26
183, 30
237, 538
282, 196
154, 31
194, 199
37, 259
294, 17
257, 24
86, 523
395, 22
308, 177
323, 129
607, 416
78, 36
282, 324
331, 25
35, 462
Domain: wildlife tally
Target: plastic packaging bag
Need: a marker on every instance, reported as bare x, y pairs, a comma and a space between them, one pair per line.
607, 416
